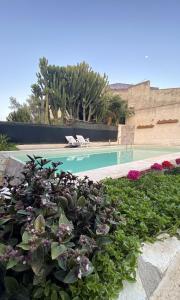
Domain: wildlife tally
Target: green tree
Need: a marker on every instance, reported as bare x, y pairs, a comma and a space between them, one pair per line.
117, 110
21, 115
14, 104
36, 103
75, 91
43, 83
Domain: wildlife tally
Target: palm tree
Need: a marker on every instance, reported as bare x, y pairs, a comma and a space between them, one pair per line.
117, 110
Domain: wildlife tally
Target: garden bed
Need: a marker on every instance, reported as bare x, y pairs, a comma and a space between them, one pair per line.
66, 238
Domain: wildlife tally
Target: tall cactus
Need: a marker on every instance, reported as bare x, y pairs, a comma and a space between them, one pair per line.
76, 91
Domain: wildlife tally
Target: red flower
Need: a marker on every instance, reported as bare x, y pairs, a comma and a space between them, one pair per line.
178, 161
133, 175
167, 165
156, 167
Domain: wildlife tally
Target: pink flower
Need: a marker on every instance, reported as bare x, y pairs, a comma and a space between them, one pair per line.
133, 175
156, 167
178, 161
167, 164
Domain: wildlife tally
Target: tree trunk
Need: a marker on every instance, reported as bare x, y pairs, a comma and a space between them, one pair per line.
77, 111
46, 118
42, 111
90, 114
84, 113
109, 122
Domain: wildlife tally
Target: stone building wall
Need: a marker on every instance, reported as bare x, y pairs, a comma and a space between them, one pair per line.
152, 105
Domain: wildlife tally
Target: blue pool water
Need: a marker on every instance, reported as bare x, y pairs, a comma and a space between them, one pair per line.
87, 159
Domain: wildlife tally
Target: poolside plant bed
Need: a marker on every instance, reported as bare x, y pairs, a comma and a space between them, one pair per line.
66, 238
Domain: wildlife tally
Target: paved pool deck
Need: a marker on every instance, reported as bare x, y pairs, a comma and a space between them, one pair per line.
122, 170
64, 146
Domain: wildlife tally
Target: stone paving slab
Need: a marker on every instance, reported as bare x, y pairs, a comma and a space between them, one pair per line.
133, 291
160, 253
169, 287
158, 272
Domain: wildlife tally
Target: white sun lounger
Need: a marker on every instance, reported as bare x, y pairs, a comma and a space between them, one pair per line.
71, 141
82, 140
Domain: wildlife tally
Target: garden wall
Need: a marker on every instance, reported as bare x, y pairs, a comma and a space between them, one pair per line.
157, 114
24, 133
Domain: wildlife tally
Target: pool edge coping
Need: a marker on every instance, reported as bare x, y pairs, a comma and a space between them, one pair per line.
121, 170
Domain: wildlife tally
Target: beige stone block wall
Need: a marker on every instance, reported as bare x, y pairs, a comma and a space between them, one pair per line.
126, 135
167, 134
150, 106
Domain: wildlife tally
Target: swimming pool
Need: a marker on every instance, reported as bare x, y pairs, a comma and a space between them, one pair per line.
84, 159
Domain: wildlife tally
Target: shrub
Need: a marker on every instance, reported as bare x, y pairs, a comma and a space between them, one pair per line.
156, 167
133, 175
5, 144
51, 227
167, 164
178, 161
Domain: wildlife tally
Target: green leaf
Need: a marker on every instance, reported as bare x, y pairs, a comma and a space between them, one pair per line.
57, 249
39, 224
26, 237
11, 285
47, 290
2, 249
63, 202
64, 220
103, 240
37, 260
23, 212
71, 277
81, 201
69, 244
38, 293
64, 296
62, 263
60, 275
11, 263
20, 267
54, 295
3, 221
24, 246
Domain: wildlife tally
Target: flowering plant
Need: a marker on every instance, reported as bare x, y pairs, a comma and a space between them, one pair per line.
133, 175
156, 167
167, 164
51, 225
178, 161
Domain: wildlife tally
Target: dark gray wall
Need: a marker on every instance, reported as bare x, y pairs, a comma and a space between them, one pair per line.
24, 133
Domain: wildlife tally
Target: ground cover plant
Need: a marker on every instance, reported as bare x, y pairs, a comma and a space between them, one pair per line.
66, 238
